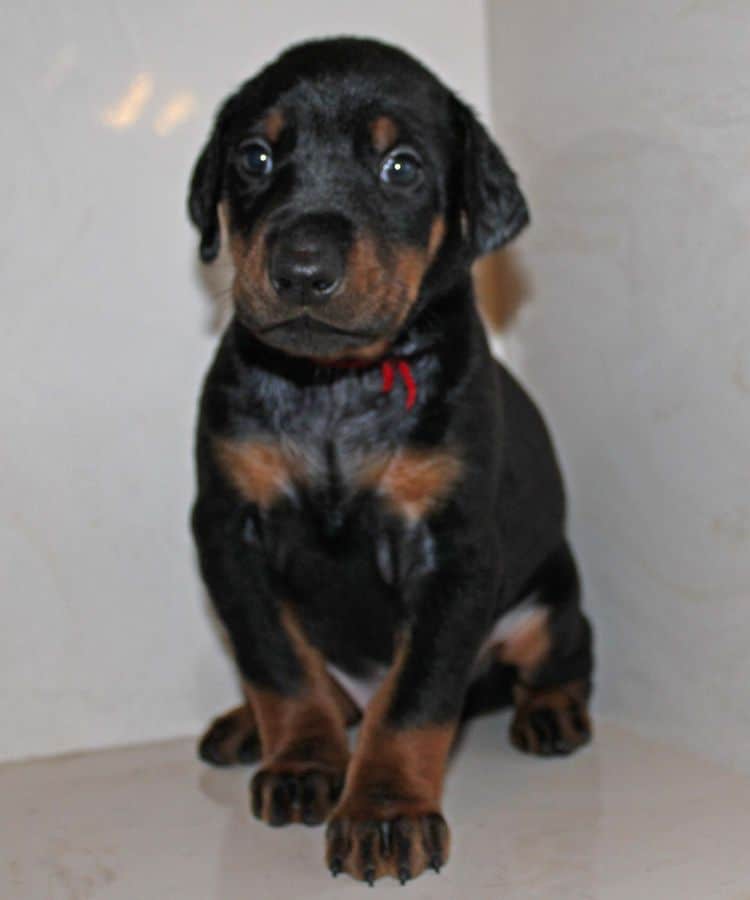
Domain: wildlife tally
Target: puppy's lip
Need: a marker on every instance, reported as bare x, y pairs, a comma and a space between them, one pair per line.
313, 325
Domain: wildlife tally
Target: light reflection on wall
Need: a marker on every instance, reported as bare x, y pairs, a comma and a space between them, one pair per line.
130, 107
174, 112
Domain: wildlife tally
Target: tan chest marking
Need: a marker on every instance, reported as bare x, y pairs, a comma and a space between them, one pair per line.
260, 470
413, 482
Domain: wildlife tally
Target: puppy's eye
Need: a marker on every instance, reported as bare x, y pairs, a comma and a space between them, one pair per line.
402, 168
256, 158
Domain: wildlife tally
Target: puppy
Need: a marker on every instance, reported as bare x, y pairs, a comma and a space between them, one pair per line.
380, 515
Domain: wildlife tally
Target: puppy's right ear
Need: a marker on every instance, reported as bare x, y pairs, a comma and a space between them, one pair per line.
206, 186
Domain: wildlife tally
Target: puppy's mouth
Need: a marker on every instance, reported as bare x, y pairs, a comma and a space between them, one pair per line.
307, 335
310, 325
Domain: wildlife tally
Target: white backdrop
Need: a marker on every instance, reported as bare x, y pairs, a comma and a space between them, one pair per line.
630, 122
105, 337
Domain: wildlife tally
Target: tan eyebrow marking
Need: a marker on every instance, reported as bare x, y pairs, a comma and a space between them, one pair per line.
273, 124
383, 132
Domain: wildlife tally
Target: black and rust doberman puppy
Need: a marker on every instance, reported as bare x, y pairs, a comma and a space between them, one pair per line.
380, 513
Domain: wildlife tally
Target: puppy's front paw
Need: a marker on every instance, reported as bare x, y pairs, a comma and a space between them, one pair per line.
305, 793
551, 721
370, 846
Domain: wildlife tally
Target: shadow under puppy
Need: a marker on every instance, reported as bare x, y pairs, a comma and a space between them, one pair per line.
380, 515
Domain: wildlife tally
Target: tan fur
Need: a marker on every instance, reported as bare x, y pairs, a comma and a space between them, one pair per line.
413, 482
415, 757
307, 730
563, 701
412, 263
384, 133
370, 353
379, 288
364, 270
273, 124
258, 469
250, 260
391, 290
437, 233
395, 773
228, 732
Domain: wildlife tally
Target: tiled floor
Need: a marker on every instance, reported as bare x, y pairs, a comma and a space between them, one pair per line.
624, 820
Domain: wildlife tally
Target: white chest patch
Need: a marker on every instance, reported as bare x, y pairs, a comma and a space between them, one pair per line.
360, 690
523, 618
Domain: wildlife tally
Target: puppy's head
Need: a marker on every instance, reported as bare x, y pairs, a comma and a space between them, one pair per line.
351, 179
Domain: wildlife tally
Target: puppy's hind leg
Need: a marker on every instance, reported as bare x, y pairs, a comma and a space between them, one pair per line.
231, 739
551, 649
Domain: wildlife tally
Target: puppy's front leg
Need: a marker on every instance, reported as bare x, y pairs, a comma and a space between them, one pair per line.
303, 740
301, 715
389, 820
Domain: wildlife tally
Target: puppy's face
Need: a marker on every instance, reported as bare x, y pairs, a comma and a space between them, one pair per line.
335, 205
349, 177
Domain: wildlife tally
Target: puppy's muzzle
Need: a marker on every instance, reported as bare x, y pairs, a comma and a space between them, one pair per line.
307, 260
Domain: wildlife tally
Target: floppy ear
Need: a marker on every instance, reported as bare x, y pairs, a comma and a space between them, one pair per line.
206, 186
492, 202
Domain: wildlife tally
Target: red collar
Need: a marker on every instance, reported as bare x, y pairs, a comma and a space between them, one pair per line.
388, 368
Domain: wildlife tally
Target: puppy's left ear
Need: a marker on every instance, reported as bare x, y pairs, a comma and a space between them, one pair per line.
495, 210
206, 186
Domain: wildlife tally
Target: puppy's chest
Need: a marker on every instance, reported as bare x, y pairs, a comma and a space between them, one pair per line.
333, 475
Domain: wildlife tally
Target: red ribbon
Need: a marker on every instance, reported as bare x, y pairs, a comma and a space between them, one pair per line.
388, 369
389, 377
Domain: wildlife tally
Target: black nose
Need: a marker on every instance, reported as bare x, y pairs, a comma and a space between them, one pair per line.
306, 263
